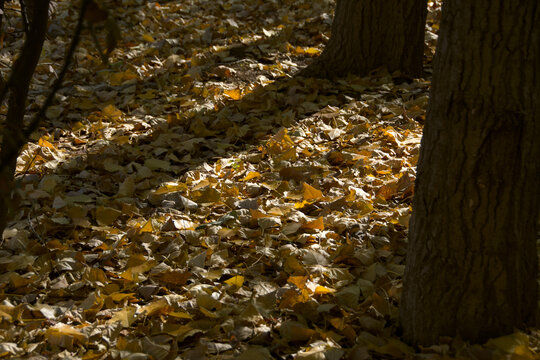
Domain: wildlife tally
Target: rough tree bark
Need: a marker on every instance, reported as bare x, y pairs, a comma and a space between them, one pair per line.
367, 34
472, 261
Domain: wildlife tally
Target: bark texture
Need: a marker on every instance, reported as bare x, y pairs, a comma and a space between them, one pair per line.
472, 260
367, 34
18, 86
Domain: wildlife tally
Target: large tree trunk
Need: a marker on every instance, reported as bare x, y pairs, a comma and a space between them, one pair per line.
472, 260
367, 34
18, 86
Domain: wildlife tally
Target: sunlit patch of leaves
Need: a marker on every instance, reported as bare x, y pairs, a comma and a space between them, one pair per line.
194, 199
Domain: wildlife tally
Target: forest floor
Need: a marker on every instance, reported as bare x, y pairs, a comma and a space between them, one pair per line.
193, 199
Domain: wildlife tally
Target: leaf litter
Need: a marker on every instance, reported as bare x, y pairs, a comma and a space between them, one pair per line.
195, 200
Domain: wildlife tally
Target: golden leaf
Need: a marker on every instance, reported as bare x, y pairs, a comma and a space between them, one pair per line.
235, 94
251, 175
321, 290
299, 281
111, 112
317, 224
148, 227
148, 38
237, 281
310, 193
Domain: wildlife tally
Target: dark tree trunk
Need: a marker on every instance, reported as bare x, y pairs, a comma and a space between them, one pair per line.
367, 34
18, 85
472, 260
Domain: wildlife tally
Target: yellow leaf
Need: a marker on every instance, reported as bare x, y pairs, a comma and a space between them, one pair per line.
170, 187
312, 51
147, 227
235, 94
310, 193
294, 297
44, 143
251, 175
363, 207
118, 297
323, 290
237, 281
275, 211
299, 281
282, 138
317, 224
111, 112
147, 37
351, 196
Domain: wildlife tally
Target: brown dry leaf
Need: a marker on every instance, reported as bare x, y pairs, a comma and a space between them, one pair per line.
293, 173
292, 331
125, 316
176, 278
133, 273
208, 195
387, 191
106, 216
293, 266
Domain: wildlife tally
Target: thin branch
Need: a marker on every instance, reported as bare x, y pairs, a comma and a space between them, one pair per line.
56, 86
58, 82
